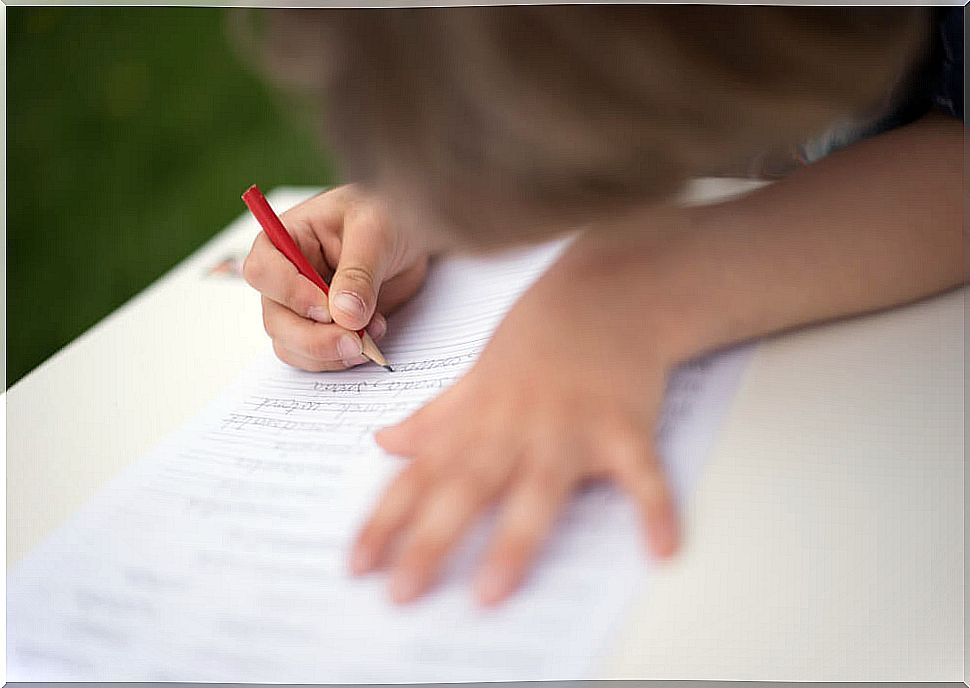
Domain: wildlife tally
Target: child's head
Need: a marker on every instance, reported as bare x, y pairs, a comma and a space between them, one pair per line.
506, 123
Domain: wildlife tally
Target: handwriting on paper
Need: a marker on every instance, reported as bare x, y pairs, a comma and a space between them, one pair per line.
221, 556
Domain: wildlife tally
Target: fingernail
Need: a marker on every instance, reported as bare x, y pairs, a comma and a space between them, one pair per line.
349, 303
404, 586
381, 438
355, 361
361, 560
319, 313
663, 538
348, 347
377, 327
493, 584
386, 432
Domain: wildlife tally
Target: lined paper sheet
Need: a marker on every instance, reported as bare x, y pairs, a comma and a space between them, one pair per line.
221, 556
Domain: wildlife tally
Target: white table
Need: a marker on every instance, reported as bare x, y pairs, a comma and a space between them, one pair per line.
826, 539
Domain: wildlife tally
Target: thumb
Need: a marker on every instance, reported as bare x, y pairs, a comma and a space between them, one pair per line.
364, 256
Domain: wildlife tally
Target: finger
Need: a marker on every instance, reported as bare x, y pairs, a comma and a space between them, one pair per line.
395, 507
312, 365
271, 274
417, 431
312, 340
402, 287
421, 432
320, 215
365, 255
526, 519
317, 224
444, 517
638, 470
403, 439
377, 327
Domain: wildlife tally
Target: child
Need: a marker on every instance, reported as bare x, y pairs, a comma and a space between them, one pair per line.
487, 126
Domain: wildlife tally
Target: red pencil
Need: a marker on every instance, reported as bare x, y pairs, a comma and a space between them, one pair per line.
273, 226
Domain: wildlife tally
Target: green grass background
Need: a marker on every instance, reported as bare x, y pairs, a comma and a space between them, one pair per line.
131, 133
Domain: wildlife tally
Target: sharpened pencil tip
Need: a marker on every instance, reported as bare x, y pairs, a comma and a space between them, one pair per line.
388, 368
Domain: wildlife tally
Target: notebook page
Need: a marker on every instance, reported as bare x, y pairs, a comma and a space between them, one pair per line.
221, 556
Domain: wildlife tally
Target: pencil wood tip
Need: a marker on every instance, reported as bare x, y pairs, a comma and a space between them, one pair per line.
371, 351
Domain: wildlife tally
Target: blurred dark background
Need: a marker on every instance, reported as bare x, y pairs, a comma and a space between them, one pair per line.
131, 133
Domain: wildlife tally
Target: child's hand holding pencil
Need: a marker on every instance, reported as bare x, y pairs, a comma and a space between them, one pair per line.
372, 267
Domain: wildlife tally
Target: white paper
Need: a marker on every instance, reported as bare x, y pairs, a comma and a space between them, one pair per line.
221, 556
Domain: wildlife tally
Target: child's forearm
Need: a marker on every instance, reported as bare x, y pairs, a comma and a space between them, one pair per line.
875, 225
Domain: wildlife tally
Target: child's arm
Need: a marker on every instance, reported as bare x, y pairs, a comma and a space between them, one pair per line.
875, 225
570, 386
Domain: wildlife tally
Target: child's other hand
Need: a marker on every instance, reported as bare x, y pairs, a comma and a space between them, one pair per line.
568, 390
372, 267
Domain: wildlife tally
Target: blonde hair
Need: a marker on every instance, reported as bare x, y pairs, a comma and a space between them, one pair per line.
501, 122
